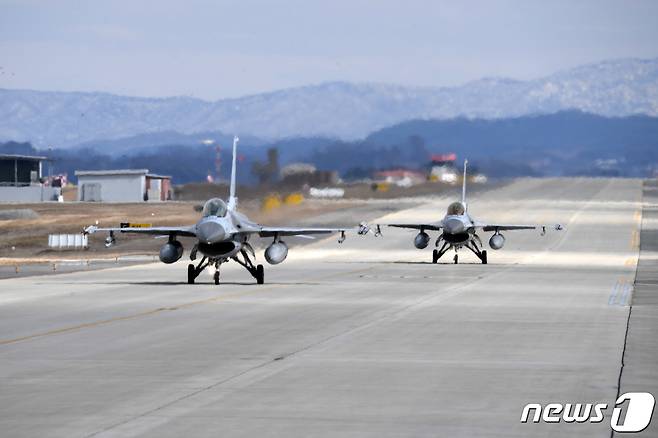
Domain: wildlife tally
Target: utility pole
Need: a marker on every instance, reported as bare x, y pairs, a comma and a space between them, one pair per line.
218, 162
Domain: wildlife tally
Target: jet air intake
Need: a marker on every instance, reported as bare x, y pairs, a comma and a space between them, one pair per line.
453, 226
171, 252
210, 231
497, 241
276, 253
421, 240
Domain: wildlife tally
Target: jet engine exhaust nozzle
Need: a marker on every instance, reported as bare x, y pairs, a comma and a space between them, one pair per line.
497, 241
421, 240
276, 253
171, 252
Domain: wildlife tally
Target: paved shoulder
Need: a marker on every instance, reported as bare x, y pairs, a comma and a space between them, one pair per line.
640, 369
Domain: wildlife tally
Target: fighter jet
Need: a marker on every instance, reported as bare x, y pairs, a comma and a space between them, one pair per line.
222, 234
459, 230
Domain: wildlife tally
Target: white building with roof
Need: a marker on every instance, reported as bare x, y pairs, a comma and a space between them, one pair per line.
123, 185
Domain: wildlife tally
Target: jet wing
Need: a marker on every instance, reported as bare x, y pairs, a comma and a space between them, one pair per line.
188, 231
292, 231
507, 227
499, 227
432, 227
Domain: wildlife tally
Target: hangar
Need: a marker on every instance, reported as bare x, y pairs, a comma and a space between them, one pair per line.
124, 185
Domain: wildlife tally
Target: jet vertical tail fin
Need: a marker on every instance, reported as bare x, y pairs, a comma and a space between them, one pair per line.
464, 185
232, 200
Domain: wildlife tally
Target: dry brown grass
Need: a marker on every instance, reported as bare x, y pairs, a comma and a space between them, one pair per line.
28, 238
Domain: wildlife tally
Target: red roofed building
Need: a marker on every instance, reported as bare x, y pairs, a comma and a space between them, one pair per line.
444, 158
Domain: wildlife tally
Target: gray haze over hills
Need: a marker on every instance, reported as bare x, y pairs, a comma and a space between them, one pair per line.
337, 109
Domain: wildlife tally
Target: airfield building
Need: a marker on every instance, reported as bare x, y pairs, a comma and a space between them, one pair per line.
443, 168
21, 179
301, 174
126, 185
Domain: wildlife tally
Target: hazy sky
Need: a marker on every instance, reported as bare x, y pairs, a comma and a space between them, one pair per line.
215, 49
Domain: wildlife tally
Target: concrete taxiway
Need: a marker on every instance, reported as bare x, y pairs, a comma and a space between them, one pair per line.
366, 338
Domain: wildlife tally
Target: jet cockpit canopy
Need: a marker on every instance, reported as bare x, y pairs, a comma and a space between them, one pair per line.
214, 207
456, 209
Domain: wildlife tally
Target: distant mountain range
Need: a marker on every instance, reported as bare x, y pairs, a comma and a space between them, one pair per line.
336, 110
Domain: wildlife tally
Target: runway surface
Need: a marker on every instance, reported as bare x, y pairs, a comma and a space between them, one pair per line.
366, 338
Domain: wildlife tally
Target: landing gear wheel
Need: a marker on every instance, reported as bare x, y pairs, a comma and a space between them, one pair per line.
435, 256
484, 257
191, 273
456, 259
260, 274
216, 277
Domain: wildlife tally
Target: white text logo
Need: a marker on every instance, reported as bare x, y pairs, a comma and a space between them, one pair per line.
636, 406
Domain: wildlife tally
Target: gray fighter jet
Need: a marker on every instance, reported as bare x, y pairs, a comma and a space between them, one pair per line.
222, 234
459, 230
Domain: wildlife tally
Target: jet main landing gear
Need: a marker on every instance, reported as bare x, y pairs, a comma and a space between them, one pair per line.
437, 253
257, 271
194, 271
472, 245
481, 254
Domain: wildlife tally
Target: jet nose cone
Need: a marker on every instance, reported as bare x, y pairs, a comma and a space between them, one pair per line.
210, 232
453, 226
